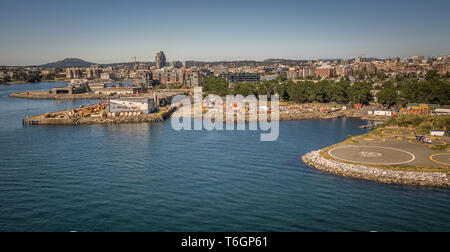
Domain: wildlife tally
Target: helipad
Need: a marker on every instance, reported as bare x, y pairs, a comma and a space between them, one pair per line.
372, 155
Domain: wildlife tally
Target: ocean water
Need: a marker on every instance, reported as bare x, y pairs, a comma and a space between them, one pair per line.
147, 177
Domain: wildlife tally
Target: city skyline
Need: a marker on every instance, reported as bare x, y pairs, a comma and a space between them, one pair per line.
115, 31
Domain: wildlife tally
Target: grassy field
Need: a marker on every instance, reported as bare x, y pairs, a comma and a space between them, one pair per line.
423, 123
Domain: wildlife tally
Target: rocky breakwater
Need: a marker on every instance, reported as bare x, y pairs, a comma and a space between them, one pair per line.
307, 116
315, 160
121, 118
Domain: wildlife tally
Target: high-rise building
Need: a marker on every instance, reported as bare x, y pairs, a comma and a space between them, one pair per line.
218, 70
443, 68
69, 73
240, 77
308, 71
360, 60
176, 64
93, 73
292, 75
344, 70
325, 71
160, 60
74, 73
77, 73
169, 76
193, 77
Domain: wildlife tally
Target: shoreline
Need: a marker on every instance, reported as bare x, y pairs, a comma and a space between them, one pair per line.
436, 179
48, 96
27, 83
288, 115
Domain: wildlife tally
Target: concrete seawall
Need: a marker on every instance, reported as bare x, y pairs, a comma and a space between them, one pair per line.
41, 95
315, 160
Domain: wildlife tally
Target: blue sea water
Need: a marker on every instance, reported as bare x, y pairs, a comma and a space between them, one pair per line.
147, 177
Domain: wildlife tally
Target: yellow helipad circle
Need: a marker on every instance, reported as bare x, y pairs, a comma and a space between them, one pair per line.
435, 143
419, 143
432, 158
440, 141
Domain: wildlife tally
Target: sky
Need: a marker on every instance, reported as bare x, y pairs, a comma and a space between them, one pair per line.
110, 31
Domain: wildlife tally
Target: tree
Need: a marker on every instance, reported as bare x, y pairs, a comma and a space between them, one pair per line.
34, 77
282, 77
244, 89
359, 93
382, 75
388, 84
432, 75
387, 96
215, 85
50, 76
282, 90
297, 92
338, 92
6, 79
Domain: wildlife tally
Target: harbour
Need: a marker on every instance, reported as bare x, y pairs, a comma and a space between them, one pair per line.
147, 177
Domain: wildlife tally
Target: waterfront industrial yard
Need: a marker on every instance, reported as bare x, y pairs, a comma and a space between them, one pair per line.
98, 114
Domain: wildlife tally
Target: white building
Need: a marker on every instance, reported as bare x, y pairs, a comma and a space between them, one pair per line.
144, 105
437, 133
442, 111
117, 91
107, 76
382, 113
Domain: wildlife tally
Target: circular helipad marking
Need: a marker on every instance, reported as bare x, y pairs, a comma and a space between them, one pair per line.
433, 158
386, 152
370, 154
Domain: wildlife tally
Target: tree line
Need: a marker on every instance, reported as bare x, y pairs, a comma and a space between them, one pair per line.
22, 76
434, 89
300, 92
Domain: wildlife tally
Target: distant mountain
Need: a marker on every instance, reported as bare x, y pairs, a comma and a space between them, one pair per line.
69, 62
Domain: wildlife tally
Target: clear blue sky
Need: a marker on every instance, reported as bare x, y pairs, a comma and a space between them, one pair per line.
35, 32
